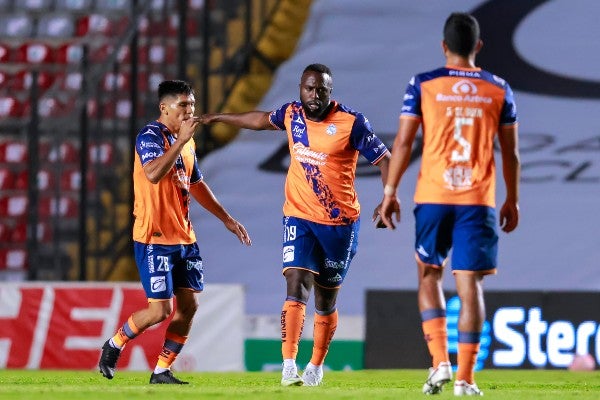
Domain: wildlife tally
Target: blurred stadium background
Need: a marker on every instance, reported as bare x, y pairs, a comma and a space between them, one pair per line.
78, 79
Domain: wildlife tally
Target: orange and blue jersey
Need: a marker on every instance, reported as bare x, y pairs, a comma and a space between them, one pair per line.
461, 111
161, 210
320, 182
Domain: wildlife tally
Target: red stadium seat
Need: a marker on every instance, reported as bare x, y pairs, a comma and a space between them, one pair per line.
7, 179
13, 259
22, 80
69, 53
64, 206
10, 107
101, 153
34, 53
71, 180
13, 206
94, 24
5, 53
66, 152
19, 233
45, 180
5, 232
13, 151
70, 81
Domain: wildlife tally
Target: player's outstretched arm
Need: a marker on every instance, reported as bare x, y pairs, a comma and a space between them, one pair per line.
255, 120
205, 197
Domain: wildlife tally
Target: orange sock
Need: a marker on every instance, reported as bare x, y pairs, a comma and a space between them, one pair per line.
324, 329
466, 358
125, 333
292, 323
171, 349
436, 336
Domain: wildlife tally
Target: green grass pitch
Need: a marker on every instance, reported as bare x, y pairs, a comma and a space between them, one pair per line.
367, 384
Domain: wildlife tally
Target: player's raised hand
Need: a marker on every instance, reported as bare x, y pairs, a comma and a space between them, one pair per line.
188, 128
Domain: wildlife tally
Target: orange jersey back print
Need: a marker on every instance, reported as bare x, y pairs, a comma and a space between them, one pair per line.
152, 226
468, 107
320, 180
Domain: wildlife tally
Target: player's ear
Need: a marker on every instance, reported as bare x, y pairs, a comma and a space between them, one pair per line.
478, 46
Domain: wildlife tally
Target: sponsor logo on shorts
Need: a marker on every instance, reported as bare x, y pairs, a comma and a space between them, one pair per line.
421, 250
197, 264
288, 254
334, 264
335, 278
158, 284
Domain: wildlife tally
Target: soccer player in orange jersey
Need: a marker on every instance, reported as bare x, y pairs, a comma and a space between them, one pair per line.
321, 209
165, 177
462, 109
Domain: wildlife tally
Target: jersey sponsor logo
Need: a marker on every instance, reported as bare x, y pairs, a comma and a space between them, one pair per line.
150, 154
158, 284
288, 254
470, 74
464, 86
421, 250
149, 145
298, 120
440, 97
305, 155
331, 130
298, 131
334, 264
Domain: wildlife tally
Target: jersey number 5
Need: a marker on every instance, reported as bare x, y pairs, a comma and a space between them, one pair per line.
457, 156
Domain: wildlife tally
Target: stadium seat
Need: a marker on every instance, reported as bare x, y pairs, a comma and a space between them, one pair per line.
101, 153
5, 52
74, 5
56, 25
10, 107
34, 5
93, 24
111, 6
34, 53
118, 82
13, 206
17, 25
45, 180
71, 180
64, 206
13, 151
5, 232
69, 53
13, 259
22, 80
7, 179
70, 81
19, 233
66, 152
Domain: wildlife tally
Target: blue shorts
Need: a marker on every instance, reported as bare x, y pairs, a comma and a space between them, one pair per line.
470, 231
164, 268
325, 250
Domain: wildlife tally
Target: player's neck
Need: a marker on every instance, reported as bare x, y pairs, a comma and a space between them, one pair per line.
456, 61
170, 127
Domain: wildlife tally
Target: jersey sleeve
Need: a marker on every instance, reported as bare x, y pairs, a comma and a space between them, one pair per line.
277, 117
196, 173
411, 103
149, 145
365, 141
509, 108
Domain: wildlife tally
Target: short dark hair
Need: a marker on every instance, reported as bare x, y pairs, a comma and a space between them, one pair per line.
173, 88
461, 33
320, 68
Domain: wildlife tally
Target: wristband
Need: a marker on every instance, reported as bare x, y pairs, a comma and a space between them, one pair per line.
389, 190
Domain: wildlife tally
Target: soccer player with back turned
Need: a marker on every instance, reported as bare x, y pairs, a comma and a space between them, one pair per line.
462, 109
165, 177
